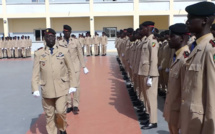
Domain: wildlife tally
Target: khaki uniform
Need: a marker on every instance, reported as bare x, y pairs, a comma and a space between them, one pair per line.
16, 48
172, 106
1, 49
103, 41
161, 83
23, 46
12, 42
75, 49
55, 74
4, 43
148, 67
96, 41
88, 43
198, 94
82, 41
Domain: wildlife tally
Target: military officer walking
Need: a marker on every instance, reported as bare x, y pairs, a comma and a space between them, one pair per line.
75, 50
54, 71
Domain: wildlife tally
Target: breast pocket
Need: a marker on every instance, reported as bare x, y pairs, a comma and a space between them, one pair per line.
43, 63
60, 60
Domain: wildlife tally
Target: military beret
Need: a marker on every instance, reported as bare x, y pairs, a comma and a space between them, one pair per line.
213, 26
201, 9
67, 28
179, 29
130, 30
50, 31
148, 23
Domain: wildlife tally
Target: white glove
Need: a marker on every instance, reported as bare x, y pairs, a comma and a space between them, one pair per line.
86, 70
36, 94
149, 82
160, 67
71, 90
167, 70
122, 54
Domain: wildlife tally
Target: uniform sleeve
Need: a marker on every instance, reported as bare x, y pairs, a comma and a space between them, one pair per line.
71, 70
153, 61
80, 54
209, 124
36, 73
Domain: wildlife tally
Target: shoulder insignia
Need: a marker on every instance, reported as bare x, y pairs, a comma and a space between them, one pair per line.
186, 54
40, 48
153, 44
212, 43
60, 54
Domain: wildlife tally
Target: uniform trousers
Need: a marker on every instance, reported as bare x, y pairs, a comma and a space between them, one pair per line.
76, 95
165, 77
104, 49
88, 49
1, 53
55, 111
8, 52
23, 52
150, 97
16, 52
161, 83
96, 49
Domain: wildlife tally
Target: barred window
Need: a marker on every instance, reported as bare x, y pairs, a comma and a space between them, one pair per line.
110, 31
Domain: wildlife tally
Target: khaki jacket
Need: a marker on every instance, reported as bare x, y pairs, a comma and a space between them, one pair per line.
198, 92
1, 44
76, 52
96, 40
103, 40
175, 83
138, 55
54, 73
88, 40
167, 55
149, 58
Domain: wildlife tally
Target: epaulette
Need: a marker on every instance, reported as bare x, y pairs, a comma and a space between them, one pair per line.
186, 54
39, 48
212, 43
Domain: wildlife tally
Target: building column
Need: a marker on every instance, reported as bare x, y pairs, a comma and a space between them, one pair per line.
5, 26
48, 21
171, 10
92, 28
136, 16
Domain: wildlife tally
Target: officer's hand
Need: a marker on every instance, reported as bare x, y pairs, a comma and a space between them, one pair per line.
36, 94
167, 70
86, 70
149, 82
71, 90
160, 67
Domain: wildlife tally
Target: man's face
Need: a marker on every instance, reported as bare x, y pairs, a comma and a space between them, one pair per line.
175, 41
50, 40
67, 34
194, 23
144, 30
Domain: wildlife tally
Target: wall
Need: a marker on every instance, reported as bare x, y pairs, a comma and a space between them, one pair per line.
119, 22
77, 24
161, 22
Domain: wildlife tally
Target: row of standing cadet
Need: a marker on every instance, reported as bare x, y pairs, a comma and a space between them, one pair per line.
174, 63
99, 43
15, 47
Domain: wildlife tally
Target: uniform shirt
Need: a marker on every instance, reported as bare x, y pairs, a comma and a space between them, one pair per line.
55, 72
103, 40
96, 40
76, 52
198, 94
88, 40
176, 76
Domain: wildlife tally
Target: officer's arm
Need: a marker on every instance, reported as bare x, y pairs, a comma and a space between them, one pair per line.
153, 70
36, 73
71, 70
80, 54
209, 125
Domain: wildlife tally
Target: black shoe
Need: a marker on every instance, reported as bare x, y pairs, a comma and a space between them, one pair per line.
143, 114
63, 132
144, 123
145, 117
150, 126
75, 110
69, 110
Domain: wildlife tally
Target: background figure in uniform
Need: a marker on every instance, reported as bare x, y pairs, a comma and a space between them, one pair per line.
22, 45
54, 71
198, 94
15, 47
1, 49
178, 40
87, 43
103, 41
91, 45
96, 43
77, 58
81, 40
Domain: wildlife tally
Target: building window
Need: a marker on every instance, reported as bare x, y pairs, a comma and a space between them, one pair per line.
37, 1
39, 34
110, 31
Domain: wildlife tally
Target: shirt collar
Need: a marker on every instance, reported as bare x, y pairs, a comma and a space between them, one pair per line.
201, 38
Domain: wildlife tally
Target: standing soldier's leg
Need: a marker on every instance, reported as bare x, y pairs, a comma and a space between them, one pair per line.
49, 108
16, 52
1, 54
60, 118
76, 95
9, 53
88, 50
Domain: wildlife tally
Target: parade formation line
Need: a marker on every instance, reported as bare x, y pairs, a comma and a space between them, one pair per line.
105, 106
